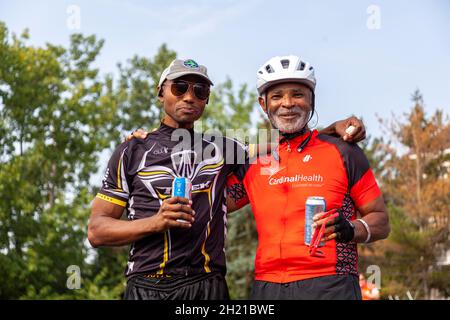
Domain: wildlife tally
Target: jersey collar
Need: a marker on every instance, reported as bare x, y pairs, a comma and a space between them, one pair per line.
297, 143
297, 137
167, 130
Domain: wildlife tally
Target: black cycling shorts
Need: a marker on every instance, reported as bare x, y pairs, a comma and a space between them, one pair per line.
209, 286
335, 287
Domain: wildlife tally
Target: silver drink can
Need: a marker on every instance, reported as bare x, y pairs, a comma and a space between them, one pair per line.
313, 206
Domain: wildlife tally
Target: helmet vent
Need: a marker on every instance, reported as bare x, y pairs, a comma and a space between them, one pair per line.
285, 63
269, 69
301, 66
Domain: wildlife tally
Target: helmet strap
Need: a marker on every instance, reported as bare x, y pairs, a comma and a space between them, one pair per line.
313, 102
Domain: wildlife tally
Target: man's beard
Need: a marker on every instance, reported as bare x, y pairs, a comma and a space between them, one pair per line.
289, 126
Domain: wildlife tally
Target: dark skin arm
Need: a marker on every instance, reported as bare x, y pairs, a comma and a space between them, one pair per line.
339, 129
105, 227
374, 214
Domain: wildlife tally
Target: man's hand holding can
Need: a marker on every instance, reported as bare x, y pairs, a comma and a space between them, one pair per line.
175, 212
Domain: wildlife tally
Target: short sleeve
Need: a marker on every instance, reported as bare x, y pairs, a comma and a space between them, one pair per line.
365, 189
237, 155
362, 183
114, 184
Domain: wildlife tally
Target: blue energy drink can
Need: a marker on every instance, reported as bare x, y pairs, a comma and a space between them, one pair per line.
182, 187
313, 206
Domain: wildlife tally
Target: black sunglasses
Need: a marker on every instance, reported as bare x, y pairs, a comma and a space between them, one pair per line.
180, 87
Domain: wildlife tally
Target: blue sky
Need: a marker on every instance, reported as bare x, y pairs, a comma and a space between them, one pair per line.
360, 70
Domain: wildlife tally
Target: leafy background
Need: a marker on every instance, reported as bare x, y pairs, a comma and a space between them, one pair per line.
60, 117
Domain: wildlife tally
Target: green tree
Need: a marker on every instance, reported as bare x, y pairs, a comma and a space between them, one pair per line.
53, 124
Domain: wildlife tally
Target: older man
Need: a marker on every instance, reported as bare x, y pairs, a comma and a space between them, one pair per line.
308, 164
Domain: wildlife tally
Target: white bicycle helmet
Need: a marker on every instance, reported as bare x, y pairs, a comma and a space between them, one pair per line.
285, 69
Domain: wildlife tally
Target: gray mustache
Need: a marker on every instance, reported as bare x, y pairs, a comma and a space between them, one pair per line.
294, 111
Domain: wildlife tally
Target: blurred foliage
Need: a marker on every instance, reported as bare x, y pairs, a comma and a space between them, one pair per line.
54, 120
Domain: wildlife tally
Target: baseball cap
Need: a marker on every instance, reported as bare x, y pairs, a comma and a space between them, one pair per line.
179, 68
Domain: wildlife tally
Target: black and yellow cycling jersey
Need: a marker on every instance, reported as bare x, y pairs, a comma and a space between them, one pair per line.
139, 177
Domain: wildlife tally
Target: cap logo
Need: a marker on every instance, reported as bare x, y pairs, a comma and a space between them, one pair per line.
190, 63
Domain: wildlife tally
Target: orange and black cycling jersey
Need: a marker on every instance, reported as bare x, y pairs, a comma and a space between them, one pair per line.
278, 189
